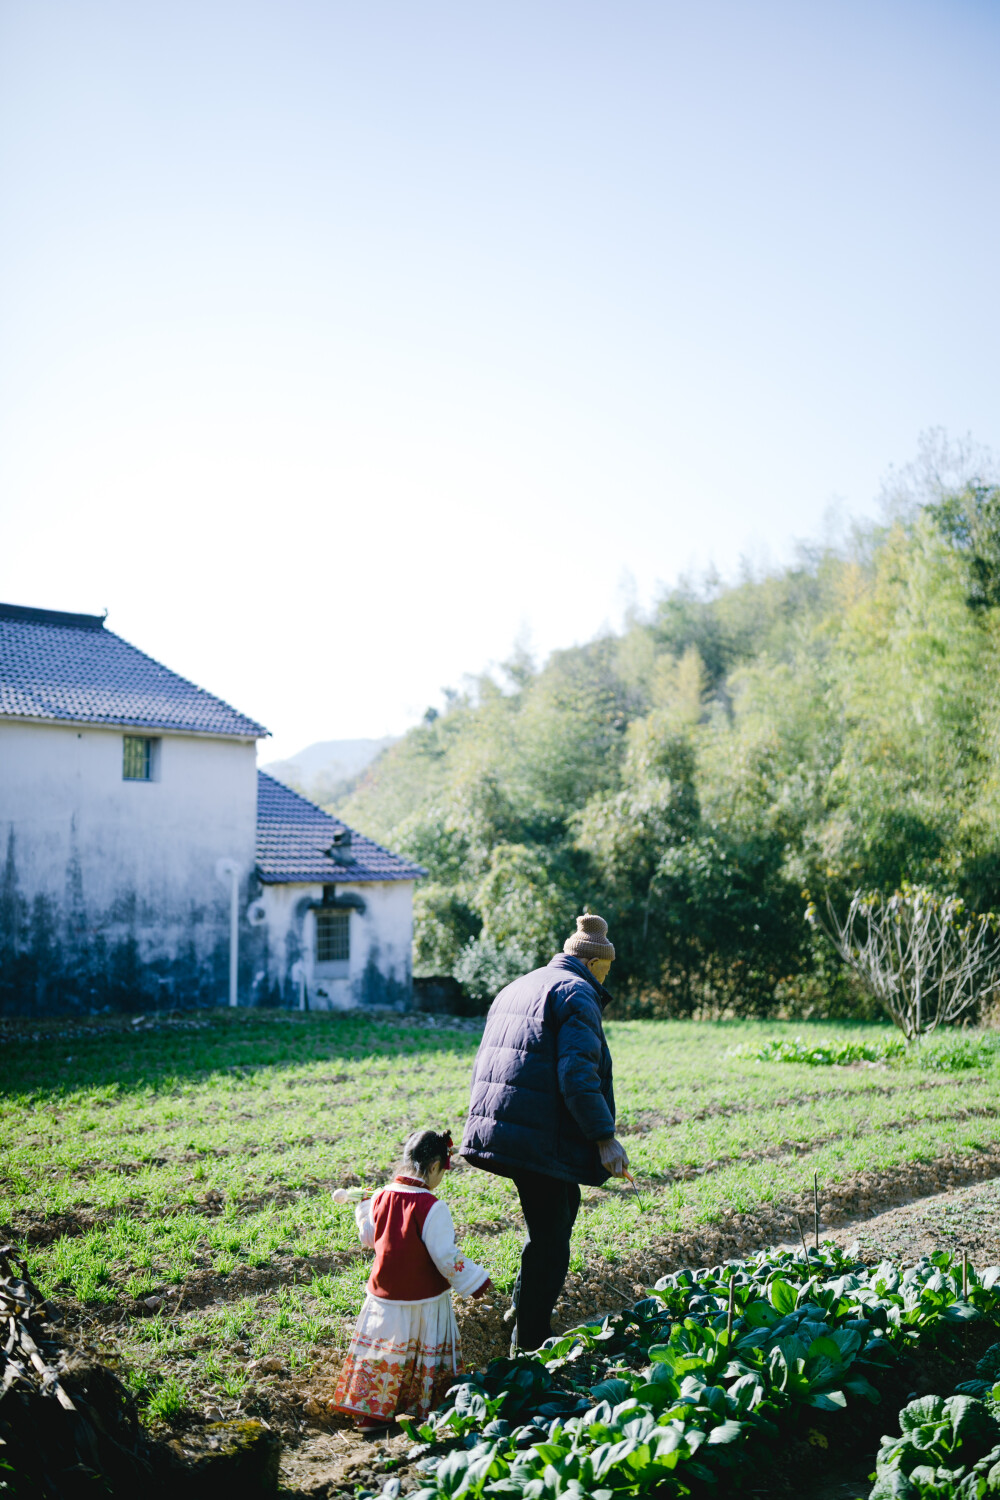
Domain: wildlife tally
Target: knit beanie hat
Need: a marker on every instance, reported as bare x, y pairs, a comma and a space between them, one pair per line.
590, 940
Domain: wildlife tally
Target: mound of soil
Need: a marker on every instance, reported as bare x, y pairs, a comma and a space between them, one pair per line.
70, 1431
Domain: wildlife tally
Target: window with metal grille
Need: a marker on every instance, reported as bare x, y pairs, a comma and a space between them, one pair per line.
333, 936
137, 761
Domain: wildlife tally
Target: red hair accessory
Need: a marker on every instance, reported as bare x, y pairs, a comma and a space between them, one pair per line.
449, 1147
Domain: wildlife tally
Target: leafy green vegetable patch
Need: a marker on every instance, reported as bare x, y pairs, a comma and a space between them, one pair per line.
948, 1448
694, 1389
835, 1053
946, 1053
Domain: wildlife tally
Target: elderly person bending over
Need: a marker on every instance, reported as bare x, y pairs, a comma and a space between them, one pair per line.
543, 1109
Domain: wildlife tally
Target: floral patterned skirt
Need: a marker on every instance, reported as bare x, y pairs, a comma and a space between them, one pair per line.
403, 1357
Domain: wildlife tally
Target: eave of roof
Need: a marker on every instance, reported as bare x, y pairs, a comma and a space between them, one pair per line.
134, 726
62, 668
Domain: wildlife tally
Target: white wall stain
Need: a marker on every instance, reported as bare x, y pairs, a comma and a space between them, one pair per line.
379, 970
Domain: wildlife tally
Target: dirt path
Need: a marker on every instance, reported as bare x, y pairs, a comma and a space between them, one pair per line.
333, 1461
966, 1219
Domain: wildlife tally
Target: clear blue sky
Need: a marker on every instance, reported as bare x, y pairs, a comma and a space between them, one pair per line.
341, 341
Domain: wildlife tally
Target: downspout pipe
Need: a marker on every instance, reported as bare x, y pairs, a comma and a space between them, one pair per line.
228, 872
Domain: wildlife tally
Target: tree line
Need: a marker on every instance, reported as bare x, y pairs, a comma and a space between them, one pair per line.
703, 775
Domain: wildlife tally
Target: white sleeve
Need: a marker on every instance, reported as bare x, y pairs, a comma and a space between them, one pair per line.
365, 1223
439, 1237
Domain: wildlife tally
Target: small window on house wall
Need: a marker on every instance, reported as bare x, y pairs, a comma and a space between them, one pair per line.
333, 937
138, 758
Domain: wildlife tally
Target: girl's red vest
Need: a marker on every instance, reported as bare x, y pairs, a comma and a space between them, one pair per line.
403, 1270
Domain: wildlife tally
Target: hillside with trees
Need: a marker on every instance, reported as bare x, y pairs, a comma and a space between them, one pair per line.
828, 726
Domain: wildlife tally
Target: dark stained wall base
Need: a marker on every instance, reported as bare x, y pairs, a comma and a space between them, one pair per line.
64, 958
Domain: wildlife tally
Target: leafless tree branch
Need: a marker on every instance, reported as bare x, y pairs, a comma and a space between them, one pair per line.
922, 956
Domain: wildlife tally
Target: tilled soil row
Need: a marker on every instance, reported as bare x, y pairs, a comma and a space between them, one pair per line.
816, 1142
18, 1033
16, 1030
642, 1121
32, 1228
203, 1287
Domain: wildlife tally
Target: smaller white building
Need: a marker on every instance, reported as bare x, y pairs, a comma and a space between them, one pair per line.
336, 908
133, 817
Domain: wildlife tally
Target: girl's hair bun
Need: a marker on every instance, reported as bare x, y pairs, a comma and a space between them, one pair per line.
423, 1148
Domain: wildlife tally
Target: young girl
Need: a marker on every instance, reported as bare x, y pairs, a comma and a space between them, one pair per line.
404, 1353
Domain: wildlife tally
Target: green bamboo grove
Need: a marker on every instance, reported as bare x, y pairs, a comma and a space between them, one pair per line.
825, 727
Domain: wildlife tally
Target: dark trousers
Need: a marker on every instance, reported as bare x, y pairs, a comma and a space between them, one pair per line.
550, 1208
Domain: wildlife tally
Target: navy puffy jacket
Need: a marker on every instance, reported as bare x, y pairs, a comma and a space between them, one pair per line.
541, 1085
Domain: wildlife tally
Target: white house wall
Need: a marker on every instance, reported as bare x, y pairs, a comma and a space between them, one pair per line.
109, 887
379, 971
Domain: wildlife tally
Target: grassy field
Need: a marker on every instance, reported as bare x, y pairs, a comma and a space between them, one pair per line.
193, 1162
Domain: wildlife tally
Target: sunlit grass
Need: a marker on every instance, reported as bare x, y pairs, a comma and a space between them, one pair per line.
191, 1158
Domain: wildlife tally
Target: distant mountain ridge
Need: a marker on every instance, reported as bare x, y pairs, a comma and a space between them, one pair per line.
321, 771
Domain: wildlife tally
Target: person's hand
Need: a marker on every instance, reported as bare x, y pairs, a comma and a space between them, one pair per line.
614, 1158
481, 1291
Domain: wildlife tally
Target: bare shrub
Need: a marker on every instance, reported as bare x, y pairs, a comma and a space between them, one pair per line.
923, 957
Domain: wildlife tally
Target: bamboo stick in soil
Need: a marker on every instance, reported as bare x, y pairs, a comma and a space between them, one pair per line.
805, 1247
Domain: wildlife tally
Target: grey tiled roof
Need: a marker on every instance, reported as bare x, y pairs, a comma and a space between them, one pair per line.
294, 837
58, 666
